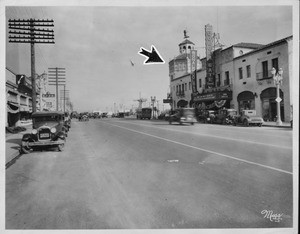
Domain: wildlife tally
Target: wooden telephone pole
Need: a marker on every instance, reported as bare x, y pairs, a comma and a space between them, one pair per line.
31, 31
57, 76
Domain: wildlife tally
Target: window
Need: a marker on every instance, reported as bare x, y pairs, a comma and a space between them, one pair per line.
265, 69
226, 81
200, 83
241, 73
275, 63
248, 71
219, 80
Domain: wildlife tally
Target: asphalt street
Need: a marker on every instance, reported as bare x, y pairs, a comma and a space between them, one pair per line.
134, 174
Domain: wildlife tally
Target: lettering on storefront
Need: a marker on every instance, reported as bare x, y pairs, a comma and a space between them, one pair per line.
214, 96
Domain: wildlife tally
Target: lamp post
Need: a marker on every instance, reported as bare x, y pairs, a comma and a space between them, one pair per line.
277, 77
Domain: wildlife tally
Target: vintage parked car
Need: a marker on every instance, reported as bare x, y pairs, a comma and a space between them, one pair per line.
249, 117
67, 120
206, 116
224, 116
48, 129
183, 115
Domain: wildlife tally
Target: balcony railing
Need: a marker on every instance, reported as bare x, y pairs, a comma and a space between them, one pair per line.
263, 76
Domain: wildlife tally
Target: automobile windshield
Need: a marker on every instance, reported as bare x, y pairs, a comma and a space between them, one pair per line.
48, 118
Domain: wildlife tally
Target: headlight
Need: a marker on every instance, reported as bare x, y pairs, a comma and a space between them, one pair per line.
182, 118
34, 131
53, 130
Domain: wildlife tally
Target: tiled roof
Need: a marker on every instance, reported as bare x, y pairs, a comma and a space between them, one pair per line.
186, 41
248, 45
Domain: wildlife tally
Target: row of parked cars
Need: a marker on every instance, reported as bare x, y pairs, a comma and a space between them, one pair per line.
49, 129
222, 116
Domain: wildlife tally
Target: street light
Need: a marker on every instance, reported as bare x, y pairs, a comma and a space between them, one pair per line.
153, 101
277, 77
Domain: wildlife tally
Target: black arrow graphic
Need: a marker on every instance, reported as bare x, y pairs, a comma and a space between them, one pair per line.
153, 57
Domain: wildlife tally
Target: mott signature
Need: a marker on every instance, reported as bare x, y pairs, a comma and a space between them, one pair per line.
268, 214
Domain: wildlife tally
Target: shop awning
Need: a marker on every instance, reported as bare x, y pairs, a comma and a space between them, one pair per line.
12, 108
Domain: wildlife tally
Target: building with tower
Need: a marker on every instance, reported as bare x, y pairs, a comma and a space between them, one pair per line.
238, 76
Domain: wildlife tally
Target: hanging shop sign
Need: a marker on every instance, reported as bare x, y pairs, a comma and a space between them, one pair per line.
48, 95
194, 70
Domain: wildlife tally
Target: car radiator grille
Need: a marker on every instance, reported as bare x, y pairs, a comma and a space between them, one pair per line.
44, 134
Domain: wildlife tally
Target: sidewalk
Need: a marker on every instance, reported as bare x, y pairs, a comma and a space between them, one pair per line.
13, 142
273, 124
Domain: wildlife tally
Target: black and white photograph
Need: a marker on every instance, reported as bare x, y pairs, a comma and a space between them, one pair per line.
149, 116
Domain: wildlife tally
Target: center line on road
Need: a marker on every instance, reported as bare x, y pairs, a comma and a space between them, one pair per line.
219, 137
201, 149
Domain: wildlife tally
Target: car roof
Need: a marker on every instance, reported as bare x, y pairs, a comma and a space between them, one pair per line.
47, 113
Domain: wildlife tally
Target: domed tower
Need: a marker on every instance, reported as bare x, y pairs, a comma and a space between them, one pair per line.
186, 46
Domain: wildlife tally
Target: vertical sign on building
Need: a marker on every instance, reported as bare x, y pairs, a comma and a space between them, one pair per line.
209, 62
194, 70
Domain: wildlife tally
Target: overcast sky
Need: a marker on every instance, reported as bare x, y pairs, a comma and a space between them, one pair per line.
96, 43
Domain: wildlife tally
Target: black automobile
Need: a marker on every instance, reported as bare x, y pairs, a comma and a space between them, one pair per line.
48, 129
183, 115
206, 116
225, 116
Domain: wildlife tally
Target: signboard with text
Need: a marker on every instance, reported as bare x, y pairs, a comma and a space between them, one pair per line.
214, 96
194, 70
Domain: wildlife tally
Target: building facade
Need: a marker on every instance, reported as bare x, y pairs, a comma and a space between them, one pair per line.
18, 98
243, 79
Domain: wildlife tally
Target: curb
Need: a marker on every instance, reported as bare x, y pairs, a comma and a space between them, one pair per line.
15, 156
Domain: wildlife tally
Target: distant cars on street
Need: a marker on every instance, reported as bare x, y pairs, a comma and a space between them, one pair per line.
224, 116
183, 115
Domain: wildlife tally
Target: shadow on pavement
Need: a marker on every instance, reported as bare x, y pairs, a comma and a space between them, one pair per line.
14, 141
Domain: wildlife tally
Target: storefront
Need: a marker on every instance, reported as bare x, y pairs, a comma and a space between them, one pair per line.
213, 101
269, 104
246, 101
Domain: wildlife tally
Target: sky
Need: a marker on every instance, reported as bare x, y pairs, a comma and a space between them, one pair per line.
95, 43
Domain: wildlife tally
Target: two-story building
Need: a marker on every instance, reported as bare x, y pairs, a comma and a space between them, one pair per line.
18, 97
242, 79
253, 81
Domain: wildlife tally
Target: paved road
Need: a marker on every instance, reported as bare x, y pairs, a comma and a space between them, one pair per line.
125, 173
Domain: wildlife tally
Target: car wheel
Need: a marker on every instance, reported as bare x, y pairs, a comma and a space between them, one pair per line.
61, 147
25, 148
259, 125
246, 123
192, 123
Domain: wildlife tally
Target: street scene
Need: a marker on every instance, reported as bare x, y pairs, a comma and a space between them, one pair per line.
114, 122
124, 173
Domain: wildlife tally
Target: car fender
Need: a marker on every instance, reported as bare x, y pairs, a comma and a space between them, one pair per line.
26, 137
61, 135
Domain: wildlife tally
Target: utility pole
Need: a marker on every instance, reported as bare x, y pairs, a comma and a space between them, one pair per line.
64, 95
30, 31
56, 76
